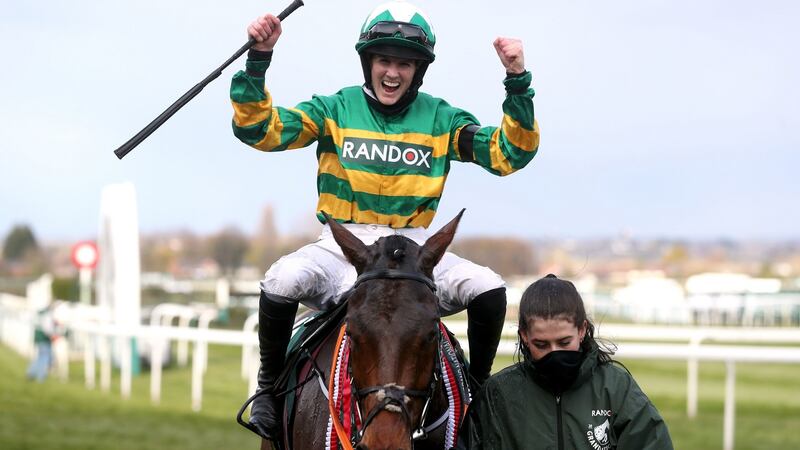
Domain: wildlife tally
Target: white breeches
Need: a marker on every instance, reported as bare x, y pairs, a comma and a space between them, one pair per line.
318, 273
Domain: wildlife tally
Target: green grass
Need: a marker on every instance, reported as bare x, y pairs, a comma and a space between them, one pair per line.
767, 403
56, 415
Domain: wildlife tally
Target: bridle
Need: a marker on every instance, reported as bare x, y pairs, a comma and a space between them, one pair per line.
394, 274
393, 397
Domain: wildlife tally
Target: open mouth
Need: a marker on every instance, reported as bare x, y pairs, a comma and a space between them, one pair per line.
390, 87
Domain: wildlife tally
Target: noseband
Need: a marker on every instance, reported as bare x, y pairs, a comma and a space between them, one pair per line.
392, 397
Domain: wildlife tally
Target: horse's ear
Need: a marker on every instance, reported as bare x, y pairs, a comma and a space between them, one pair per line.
354, 250
434, 248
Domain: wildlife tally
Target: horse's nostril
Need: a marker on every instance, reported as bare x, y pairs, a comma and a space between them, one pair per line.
362, 447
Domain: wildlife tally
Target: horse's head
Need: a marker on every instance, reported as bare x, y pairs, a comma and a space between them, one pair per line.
392, 322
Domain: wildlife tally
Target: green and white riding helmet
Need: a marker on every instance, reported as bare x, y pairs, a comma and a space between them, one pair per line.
398, 29
398, 24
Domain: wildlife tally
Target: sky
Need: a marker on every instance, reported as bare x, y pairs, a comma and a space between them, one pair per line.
668, 119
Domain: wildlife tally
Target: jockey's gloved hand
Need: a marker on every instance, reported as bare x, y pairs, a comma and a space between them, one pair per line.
264, 417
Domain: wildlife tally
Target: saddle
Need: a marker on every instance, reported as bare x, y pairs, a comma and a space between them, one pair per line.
310, 332
301, 366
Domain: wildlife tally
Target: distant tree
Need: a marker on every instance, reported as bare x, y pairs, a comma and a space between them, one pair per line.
506, 256
19, 244
176, 252
192, 250
265, 245
228, 248
675, 259
156, 254
767, 270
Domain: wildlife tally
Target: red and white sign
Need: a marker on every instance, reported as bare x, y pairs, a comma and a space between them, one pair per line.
85, 255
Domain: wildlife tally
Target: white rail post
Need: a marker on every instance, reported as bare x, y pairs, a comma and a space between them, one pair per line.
156, 356
105, 363
203, 321
61, 356
197, 376
88, 359
183, 344
252, 381
692, 376
125, 365
730, 406
247, 350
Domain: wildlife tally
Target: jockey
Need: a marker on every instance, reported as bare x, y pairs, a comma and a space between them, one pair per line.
384, 152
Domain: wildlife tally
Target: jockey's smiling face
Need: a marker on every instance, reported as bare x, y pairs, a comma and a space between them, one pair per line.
543, 336
391, 77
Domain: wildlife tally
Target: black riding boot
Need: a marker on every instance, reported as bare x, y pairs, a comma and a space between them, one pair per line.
485, 316
275, 321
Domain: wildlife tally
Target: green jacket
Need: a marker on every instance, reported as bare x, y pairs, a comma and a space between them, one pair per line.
603, 410
386, 170
45, 328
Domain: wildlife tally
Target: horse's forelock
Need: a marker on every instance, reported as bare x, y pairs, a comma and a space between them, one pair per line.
384, 297
397, 248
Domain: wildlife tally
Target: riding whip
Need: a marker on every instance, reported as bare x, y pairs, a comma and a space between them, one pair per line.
137, 139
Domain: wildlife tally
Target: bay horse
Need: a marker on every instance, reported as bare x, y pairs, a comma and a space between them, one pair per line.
392, 329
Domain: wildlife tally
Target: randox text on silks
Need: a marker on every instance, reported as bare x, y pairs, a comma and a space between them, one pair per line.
387, 153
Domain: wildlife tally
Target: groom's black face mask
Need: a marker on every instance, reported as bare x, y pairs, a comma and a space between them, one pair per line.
558, 369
